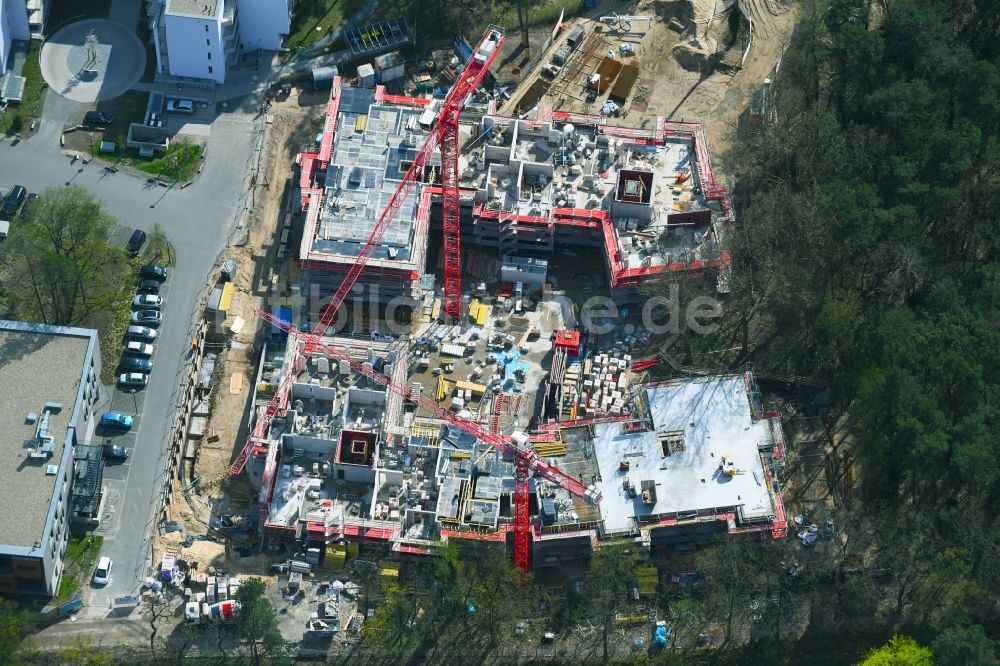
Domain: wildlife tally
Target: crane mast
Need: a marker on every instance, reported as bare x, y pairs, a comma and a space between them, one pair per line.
446, 130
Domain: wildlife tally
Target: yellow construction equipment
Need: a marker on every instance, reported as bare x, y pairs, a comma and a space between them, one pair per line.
443, 389
550, 449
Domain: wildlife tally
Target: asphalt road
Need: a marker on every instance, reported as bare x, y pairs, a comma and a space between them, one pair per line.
198, 220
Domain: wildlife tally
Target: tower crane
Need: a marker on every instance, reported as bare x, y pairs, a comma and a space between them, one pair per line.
525, 459
445, 134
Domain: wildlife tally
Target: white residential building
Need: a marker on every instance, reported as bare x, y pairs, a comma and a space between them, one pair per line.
13, 25
264, 23
204, 38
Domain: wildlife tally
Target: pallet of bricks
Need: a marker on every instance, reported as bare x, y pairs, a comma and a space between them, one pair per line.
605, 383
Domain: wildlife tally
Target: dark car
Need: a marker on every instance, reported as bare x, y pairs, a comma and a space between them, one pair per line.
148, 287
97, 118
153, 272
133, 364
135, 242
115, 452
14, 200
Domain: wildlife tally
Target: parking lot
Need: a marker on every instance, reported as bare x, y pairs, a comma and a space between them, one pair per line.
130, 402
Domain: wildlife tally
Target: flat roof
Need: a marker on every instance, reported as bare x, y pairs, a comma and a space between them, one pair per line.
202, 8
373, 147
714, 415
44, 365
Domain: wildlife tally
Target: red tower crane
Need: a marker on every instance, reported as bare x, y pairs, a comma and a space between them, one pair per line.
445, 134
525, 459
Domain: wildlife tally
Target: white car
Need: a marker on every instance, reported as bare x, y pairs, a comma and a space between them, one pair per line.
103, 572
141, 333
147, 301
133, 379
139, 348
180, 106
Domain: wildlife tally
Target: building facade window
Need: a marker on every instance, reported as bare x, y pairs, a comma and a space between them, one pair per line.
206, 28
210, 70
209, 55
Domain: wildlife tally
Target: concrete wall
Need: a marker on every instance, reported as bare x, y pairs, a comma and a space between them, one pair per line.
13, 25
353, 473
17, 13
6, 37
195, 46
263, 23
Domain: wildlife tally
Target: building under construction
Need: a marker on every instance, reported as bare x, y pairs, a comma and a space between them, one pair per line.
353, 463
437, 434
646, 199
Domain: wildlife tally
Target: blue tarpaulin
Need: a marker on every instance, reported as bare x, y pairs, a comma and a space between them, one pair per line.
285, 315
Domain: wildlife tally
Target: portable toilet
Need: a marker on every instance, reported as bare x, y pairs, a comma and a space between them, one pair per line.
366, 76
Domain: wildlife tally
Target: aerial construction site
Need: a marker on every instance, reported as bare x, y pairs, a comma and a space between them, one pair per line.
435, 374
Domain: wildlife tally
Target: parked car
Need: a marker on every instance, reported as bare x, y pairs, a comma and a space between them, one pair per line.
103, 572
143, 333
133, 364
98, 118
148, 287
180, 106
135, 242
115, 452
139, 348
147, 301
116, 421
133, 380
15, 199
153, 272
147, 317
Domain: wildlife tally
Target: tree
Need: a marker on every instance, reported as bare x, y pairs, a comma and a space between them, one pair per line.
899, 651
64, 267
608, 586
158, 250
258, 622
156, 607
964, 646
494, 592
15, 625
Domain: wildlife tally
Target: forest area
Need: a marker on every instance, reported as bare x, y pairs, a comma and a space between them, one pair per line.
866, 257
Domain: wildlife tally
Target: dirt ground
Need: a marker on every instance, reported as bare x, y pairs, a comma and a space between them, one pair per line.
679, 52
291, 123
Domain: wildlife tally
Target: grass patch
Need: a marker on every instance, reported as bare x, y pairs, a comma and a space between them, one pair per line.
111, 331
158, 249
127, 109
81, 558
547, 14
65, 11
179, 163
18, 118
310, 15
